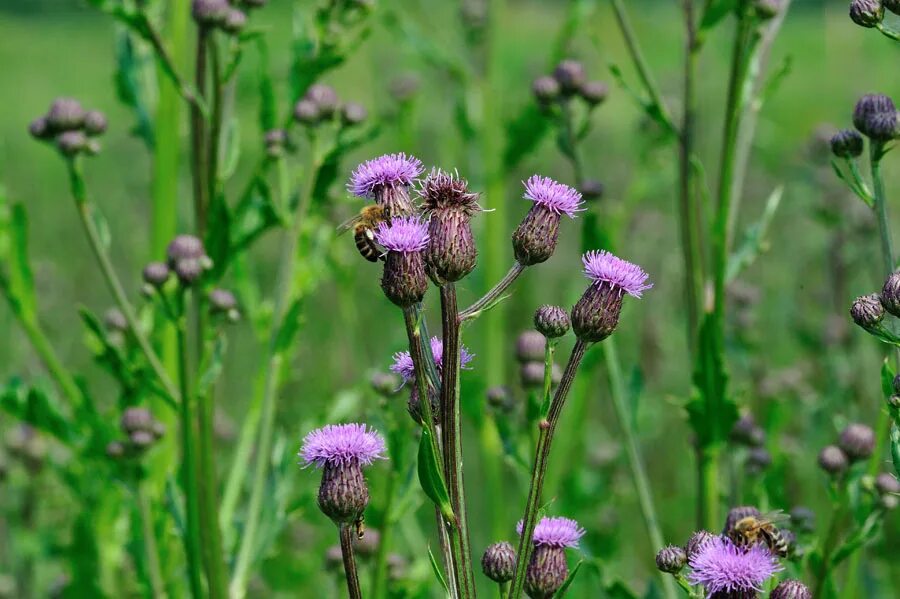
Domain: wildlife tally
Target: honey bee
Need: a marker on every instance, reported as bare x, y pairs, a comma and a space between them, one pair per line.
751, 530
363, 226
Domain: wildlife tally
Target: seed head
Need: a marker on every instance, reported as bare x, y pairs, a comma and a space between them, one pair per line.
95, 122
65, 114
875, 116
887, 483
866, 13
210, 13
847, 143
594, 92
499, 562
671, 559
71, 143
596, 314
551, 321
857, 441
890, 294
833, 460
791, 589
570, 75
867, 310
545, 89
353, 113
721, 567
325, 99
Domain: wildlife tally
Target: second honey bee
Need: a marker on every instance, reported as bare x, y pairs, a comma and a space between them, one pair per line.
363, 226
752, 530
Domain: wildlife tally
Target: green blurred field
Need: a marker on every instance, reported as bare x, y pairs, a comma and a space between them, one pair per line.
802, 388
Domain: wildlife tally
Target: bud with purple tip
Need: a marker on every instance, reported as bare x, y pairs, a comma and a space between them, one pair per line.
551, 321
833, 460
386, 180
547, 569
857, 441
867, 13
499, 562
671, 559
530, 347
114, 320
890, 294
594, 92
570, 75
274, 141
886, 483
867, 310
404, 280
40, 129
156, 274
325, 99
71, 143
306, 112
531, 375
791, 589
534, 241
209, 13
353, 113
596, 314
65, 114
847, 143
95, 122
451, 251
341, 451
697, 540
545, 90
875, 116
235, 21
141, 428
187, 258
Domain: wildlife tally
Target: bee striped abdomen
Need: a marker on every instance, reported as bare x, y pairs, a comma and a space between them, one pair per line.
365, 243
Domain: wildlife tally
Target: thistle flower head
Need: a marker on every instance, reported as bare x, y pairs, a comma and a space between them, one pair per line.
390, 170
602, 267
443, 190
404, 234
342, 444
403, 364
556, 197
722, 567
555, 532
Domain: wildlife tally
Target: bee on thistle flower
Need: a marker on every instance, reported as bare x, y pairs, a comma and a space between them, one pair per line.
387, 180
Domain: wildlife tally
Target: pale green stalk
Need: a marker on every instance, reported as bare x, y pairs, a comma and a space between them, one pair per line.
154, 573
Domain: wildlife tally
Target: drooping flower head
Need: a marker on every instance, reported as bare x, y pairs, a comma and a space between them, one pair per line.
602, 267
341, 444
403, 364
534, 240
555, 197
722, 567
404, 234
595, 316
555, 532
386, 180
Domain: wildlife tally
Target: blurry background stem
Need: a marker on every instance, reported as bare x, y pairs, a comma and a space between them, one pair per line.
148, 532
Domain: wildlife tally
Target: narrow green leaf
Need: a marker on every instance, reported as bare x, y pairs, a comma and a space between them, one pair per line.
431, 478
436, 568
895, 446
561, 592
754, 241
212, 368
289, 327
887, 378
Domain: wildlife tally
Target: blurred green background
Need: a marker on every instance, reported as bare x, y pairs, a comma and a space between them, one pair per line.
795, 359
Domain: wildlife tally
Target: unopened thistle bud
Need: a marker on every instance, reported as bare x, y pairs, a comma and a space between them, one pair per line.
404, 281
451, 251
531, 375
115, 450
530, 347
791, 589
341, 451
325, 99
353, 113
758, 459
386, 180
414, 405
275, 140
803, 519
875, 116
534, 241
114, 320
71, 143
385, 384
867, 310
570, 75
499, 562
890, 294
594, 92
591, 190
95, 122
40, 129
886, 483
141, 428
306, 112
596, 314
867, 13
697, 541
547, 569
857, 441
746, 432
671, 559
65, 114
551, 321
833, 460
156, 274
847, 143
736, 514
545, 89
235, 21
209, 13
222, 301
187, 258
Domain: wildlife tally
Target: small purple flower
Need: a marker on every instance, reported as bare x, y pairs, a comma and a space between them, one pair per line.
403, 234
342, 444
390, 170
403, 364
722, 567
556, 197
555, 532
602, 267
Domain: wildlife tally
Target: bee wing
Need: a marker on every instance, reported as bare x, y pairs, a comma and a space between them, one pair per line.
349, 224
774, 517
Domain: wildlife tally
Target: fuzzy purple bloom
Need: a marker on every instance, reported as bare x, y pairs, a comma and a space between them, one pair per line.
556, 197
342, 444
602, 267
403, 364
722, 567
555, 532
403, 234
389, 170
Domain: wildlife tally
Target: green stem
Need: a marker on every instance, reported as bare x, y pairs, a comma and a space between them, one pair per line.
635, 461
149, 538
380, 569
284, 292
199, 146
349, 562
476, 309
86, 214
829, 544
189, 460
546, 429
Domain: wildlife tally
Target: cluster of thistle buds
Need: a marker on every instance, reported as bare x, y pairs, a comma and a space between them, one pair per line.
321, 104
874, 116
223, 15
747, 433
868, 311
71, 128
530, 348
569, 79
870, 13
855, 444
547, 568
141, 431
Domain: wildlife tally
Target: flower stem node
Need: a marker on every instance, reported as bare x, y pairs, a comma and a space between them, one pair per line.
867, 13
535, 239
551, 321
499, 562
671, 559
596, 315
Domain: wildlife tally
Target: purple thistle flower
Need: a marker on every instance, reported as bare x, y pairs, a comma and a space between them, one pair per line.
722, 567
556, 197
403, 364
342, 444
403, 234
390, 170
555, 532
602, 267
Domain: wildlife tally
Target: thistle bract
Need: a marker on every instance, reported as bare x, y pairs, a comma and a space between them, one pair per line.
867, 310
596, 314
